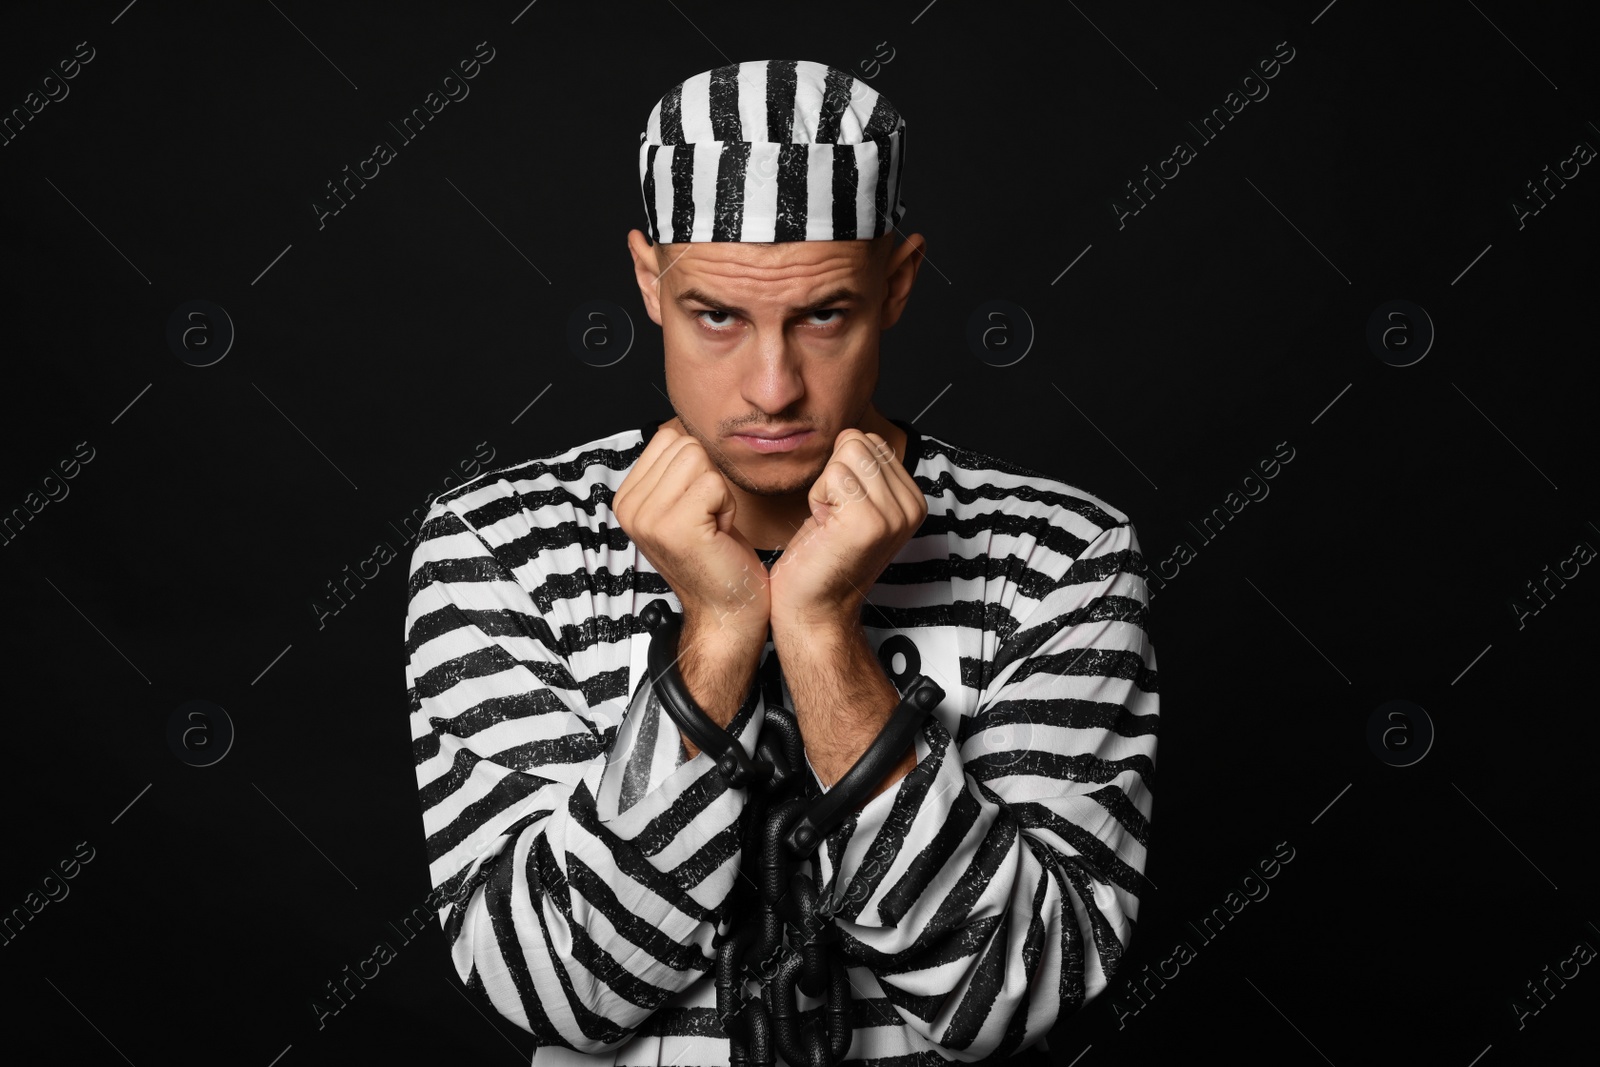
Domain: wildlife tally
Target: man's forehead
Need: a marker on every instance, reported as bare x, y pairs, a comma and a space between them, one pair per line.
787, 270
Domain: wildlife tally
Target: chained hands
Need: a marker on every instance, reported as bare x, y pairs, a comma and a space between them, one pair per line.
679, 509
864, 507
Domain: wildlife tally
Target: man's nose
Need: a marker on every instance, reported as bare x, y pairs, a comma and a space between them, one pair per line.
773, 381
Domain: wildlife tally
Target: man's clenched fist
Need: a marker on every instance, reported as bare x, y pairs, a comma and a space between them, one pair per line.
679, 509
864, 507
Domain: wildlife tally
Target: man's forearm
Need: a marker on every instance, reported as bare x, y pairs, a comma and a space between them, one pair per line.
717, 674
842, 698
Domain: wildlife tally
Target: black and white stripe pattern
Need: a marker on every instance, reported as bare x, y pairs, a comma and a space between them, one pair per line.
988, 892
772, 150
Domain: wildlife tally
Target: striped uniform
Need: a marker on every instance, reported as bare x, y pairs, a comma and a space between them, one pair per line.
772, 150
589, 864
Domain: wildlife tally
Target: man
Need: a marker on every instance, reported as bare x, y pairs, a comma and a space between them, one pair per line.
590, 853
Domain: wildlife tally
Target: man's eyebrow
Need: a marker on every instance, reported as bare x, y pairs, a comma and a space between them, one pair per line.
843, 294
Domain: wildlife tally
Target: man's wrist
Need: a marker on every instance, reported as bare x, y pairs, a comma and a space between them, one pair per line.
843, 699
830, 637
718, 674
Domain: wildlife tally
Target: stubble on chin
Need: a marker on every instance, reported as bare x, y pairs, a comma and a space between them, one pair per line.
801, 483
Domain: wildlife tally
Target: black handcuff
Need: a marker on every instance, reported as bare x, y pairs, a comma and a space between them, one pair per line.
786, 828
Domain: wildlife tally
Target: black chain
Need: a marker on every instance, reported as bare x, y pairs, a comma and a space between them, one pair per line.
786, 935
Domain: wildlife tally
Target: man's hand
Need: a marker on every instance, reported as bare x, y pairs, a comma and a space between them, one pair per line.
864, 507
679, 509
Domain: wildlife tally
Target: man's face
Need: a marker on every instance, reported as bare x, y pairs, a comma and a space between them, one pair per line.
766, 338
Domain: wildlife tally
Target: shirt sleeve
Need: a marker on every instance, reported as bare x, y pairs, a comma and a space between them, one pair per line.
996, 885
574, 905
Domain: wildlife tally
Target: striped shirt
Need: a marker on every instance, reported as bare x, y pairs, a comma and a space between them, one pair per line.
589, 865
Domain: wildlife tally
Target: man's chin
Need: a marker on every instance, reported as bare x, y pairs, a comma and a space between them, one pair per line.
778, 487
771, 489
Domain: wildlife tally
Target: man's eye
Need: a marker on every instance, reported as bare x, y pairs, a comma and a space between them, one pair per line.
836, 313
712, 325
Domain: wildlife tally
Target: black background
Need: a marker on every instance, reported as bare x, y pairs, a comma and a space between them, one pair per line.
374, 354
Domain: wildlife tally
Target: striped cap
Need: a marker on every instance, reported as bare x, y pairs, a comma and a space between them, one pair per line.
772, 150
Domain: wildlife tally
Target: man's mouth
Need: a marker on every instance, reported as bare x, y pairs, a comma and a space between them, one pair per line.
785, 443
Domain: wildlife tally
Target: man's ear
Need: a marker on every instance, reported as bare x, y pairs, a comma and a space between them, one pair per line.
646, 271
900, 273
